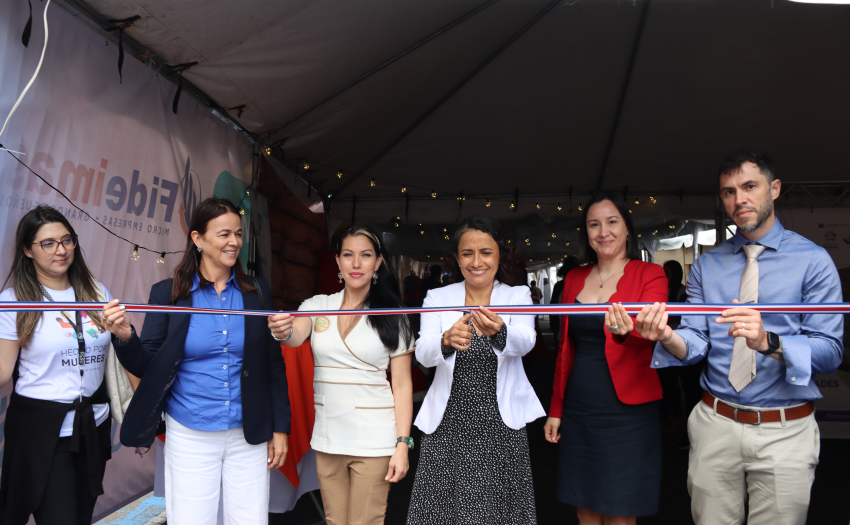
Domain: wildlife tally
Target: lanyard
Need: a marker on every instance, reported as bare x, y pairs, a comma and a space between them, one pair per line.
78, 329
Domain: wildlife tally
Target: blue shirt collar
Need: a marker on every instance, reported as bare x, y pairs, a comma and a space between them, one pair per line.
196, 281
772, 239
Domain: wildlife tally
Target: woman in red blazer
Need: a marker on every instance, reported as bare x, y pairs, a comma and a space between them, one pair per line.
605, 398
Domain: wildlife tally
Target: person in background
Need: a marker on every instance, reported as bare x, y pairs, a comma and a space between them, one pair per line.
536, 294
362, 431
754, 440
411, 289
605, 395
432, 281
57, 428
474, 465
570, 263
220, 379
676, 291
680, 383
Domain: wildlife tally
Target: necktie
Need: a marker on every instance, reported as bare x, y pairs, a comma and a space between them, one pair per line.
743, 367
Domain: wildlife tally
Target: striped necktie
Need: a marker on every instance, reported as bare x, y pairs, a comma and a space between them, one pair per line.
743, 367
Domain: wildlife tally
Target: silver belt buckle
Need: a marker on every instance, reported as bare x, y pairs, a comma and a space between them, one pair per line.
735, 415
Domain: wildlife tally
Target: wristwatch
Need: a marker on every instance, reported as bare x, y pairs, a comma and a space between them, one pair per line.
408, 440
774, 343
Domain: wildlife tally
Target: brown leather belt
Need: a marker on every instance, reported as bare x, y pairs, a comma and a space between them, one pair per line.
753, 417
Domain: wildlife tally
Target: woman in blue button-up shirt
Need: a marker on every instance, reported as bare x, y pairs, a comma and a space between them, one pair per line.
220, 379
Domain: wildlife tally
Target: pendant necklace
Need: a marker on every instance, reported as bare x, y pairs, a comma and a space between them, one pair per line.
609, 277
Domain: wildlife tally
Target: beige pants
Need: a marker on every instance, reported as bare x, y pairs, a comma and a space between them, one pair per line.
728, 460
353, 488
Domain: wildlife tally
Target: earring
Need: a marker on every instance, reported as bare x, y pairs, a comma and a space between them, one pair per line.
375, 278
199, 249
340, 276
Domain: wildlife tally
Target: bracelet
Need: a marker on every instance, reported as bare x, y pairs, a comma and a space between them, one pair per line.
118, 342
285, 338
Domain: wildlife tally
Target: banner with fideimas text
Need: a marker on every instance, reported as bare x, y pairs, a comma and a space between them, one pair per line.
120, 154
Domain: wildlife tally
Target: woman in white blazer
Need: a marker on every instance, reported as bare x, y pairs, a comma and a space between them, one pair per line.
474, 466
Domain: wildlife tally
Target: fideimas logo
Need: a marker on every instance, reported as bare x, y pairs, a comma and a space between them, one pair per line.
190, 185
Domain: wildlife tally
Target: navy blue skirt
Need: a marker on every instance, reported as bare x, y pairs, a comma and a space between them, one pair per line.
610, 457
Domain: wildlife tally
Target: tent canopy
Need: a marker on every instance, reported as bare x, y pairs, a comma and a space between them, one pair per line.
381, 105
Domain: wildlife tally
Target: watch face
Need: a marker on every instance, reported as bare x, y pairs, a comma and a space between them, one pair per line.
773, 341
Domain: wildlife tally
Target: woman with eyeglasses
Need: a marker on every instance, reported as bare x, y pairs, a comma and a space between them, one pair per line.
58, 425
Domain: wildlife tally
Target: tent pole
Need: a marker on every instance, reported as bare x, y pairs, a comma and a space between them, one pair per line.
623, 92
447, 96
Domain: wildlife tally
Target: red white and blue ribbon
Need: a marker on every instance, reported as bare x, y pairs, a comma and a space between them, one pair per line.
531, 309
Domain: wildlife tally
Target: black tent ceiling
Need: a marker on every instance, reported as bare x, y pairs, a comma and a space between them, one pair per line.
527, 102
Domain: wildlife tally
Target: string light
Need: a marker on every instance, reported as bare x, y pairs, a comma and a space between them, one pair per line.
578, 229
241, 212
652, 199
433, 194
548, 244
422, 232
638, 235
580, 208
404, 189
630, 211
339, 174
488, 203
568, 244
513, 205
372, 184
445, 230
654, 232
553, 235
538, 205
247, 192
306, 164
268, 150
526, 240
135, 254
396, 225
447, 237
637, 201
161, 259
672, 226
559, 207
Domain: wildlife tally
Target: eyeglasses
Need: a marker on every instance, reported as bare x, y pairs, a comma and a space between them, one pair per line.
51, 246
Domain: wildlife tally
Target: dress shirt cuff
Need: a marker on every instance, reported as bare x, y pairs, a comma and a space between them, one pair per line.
661, 358
797, 351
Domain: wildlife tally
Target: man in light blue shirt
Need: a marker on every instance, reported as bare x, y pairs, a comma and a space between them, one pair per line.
754, 433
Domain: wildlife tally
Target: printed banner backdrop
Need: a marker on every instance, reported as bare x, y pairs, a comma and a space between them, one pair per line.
829, 228
117, 151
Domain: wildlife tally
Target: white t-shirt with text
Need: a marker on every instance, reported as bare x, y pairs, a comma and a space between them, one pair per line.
48, 367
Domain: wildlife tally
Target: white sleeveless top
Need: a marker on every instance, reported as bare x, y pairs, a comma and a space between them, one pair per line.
355, 408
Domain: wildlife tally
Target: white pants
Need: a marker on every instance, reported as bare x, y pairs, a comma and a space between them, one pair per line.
201, 465
774, 465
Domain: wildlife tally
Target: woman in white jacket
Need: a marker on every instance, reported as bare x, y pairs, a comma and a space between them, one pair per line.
474, 466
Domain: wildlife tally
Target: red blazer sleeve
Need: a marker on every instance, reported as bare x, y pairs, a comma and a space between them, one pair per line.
653, 290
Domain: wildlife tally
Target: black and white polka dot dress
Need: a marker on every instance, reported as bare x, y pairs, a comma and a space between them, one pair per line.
474, 469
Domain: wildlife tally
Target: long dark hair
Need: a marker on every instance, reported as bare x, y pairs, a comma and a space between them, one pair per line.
586, 253
509, 271
383, 294
190, 265
25, 280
